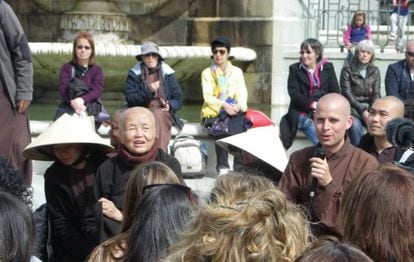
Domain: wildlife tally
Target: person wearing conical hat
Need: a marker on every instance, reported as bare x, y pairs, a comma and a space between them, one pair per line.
77, 151
139, 144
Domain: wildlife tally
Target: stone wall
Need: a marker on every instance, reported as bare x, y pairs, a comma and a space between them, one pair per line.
168, 22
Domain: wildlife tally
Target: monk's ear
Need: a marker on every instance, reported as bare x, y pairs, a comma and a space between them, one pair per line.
349, 122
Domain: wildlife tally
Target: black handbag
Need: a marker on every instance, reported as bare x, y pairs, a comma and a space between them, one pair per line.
227, 125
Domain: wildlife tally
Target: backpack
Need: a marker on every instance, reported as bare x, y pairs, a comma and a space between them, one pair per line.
189, 152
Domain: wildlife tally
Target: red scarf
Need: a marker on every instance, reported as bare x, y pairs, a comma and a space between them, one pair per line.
133, 160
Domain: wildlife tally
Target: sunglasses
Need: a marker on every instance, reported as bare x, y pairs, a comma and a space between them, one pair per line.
411, 54
221, 51
186, 189
308, 52
86, 47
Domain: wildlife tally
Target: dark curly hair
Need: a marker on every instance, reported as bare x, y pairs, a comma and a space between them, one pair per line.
11, 181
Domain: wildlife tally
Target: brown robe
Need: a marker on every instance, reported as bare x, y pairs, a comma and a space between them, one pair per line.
344, 165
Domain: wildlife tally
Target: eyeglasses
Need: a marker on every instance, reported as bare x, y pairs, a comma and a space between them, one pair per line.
86, 47
411, 54
308, 52
221, 51
186, 189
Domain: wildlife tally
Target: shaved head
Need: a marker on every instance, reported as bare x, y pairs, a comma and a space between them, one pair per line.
335, 100
137, 112
381, 112
138, 132
393, 103
332, 119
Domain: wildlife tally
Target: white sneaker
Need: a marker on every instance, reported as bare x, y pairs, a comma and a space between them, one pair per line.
223, 171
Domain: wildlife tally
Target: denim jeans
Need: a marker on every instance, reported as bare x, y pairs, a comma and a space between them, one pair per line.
356, 131
305, 124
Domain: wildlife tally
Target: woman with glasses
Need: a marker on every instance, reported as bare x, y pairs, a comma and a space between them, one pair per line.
224, 92
308, 80
156, 209
360, 84
83, 67
152, 83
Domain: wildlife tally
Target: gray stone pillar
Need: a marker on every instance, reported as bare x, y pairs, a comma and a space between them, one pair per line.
289, 30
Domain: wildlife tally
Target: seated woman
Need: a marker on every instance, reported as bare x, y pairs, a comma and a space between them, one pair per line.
308, 80
82, 66
360, 84
17, 231
152, 83
224, 93
377, 213
151, 224
77, 151
245, 225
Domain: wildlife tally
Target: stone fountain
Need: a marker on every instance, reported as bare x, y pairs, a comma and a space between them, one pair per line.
119, 26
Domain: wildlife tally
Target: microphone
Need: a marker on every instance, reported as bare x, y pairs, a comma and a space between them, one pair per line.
400, 133
318, 152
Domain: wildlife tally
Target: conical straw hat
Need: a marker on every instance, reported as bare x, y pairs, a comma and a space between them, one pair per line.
261, 142
66, 130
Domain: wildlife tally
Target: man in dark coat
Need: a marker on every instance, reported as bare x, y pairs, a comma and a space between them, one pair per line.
375, 141
399, 80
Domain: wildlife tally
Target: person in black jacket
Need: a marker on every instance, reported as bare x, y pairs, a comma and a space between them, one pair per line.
152, 83
375, 141
361, 84
138, 145
308, 80
77, 150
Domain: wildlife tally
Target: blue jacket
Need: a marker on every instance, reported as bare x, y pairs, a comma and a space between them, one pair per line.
398, 81
137, 94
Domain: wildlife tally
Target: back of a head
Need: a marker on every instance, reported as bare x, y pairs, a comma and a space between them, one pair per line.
235, 185
263, 226
16, 229
164, 211
145, 174
377, 213
12, 182
333, 251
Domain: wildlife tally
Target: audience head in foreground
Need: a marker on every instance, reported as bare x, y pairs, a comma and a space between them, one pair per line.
333, 251
16, 229
258, 226
378, 211
164, 211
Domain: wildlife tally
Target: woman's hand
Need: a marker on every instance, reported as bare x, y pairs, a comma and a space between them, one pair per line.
165, 105
78, 104
230, 109
155, 85
109, 209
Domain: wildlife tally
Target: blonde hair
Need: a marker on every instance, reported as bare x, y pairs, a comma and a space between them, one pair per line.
261, 226
235, 185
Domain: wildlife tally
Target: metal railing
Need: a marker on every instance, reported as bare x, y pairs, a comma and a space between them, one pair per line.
331, 17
